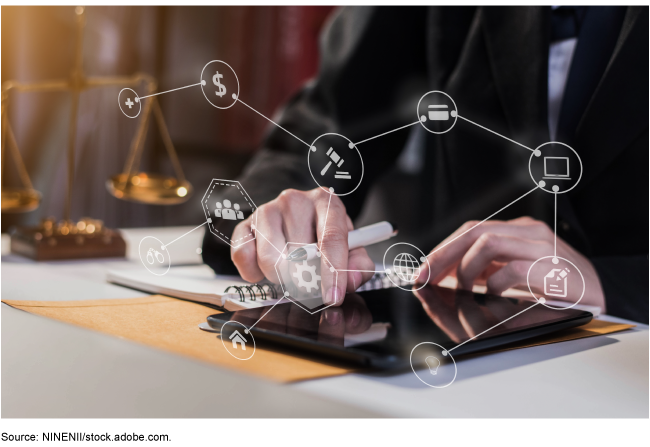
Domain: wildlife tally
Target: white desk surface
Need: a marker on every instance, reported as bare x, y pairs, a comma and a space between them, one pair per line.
101, 376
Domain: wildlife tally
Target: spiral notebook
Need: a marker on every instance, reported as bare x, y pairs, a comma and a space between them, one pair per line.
199, 283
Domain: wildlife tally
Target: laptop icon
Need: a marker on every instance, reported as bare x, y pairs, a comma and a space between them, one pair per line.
556, 168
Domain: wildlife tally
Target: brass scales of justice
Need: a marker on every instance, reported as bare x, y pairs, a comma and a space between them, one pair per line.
87, 238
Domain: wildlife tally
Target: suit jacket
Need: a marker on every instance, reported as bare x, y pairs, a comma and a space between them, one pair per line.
376, 62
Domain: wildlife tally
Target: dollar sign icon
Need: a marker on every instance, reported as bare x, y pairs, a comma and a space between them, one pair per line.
222, 88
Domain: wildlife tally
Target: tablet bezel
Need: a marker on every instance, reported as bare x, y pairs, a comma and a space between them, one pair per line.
567, 318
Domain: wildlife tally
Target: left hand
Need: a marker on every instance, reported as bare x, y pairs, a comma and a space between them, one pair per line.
500, 253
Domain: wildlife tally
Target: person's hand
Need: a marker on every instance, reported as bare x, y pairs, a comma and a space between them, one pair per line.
500, 253
300, 216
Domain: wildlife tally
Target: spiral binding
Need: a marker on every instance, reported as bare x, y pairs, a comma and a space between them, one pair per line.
383, 281
378, 281
263, 294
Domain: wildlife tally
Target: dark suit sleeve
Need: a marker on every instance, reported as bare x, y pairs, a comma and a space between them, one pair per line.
371, 76
625, 282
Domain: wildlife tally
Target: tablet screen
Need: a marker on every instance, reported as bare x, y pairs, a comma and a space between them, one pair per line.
390, 322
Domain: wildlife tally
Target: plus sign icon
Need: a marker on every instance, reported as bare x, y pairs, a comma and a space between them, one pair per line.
129, 103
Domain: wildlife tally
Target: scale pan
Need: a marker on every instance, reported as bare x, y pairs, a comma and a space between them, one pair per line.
152, 189
20, 200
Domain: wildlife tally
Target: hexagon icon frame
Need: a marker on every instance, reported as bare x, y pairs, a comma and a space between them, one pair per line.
285, 293
212, 222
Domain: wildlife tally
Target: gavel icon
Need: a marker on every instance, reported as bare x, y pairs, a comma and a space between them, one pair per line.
335, 158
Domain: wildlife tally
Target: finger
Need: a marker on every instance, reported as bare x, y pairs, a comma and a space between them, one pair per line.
269, 239
449, 250
489, 271
358, 259
332, 234
512, 275
491, 247
332, 326
298, 222
452, 249
425, 275
297, 217
533, 229
245, 256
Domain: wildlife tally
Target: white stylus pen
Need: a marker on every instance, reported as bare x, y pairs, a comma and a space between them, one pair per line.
361, 237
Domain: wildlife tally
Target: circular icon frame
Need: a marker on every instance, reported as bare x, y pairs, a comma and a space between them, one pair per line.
538, 153
445, 353
137, 101
246, 331
235, 96
162, 247
453, 113
553, 259
426, 259
350, 145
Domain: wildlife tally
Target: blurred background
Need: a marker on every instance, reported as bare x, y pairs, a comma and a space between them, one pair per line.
273, 50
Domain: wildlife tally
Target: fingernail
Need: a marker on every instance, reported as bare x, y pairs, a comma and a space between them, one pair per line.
332, 296
333, 316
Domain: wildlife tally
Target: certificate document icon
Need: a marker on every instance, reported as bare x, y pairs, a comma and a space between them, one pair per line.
555, 282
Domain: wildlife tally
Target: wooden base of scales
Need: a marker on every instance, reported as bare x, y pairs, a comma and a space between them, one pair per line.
67, 240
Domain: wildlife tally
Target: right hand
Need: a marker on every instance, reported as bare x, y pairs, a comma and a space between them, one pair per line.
299, 216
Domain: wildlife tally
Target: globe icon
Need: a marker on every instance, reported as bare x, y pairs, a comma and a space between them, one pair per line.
406, 267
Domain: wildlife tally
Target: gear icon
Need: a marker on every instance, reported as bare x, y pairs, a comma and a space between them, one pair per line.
311, 269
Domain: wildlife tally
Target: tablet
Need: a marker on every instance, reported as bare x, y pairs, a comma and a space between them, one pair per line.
380, 328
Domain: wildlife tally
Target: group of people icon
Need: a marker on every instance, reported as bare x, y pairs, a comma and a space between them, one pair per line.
224, 211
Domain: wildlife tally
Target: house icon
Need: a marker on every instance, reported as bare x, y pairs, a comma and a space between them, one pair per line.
236, 337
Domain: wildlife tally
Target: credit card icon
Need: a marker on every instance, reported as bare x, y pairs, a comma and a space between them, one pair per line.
436, 112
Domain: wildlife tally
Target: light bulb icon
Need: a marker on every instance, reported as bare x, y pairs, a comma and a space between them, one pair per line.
433, 363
